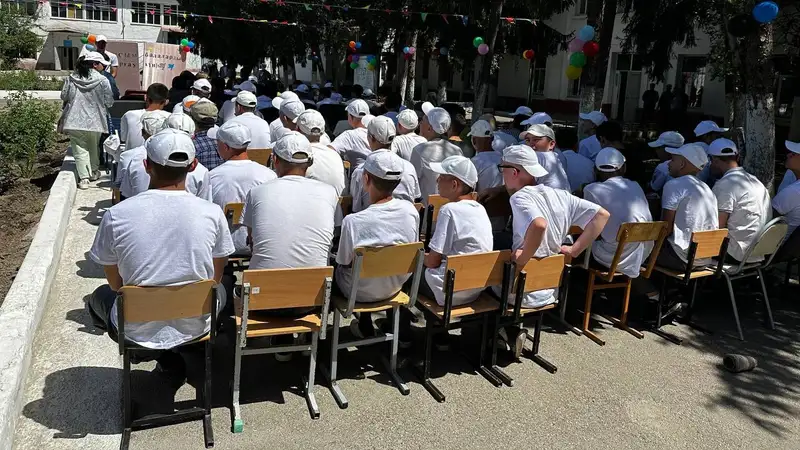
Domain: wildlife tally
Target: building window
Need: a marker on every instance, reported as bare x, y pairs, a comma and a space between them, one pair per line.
171, 13
574, 88
100, 10
148, 13
27, 8
580, 7
539, 72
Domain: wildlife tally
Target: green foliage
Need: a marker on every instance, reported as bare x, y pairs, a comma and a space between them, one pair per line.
17, 40
22, 80
27, 128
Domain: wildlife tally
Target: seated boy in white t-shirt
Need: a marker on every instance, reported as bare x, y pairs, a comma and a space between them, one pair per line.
542, 139
162, 237
661, 175
387, 221
787, 202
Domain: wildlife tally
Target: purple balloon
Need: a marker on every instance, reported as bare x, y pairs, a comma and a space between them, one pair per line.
576, 45
483, 49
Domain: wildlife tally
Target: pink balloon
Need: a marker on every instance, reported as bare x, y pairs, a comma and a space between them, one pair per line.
576, 45
483, 49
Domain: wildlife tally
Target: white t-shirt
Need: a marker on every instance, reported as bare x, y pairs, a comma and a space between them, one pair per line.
590, 147
407, 190
488, 174
462, 228
579, 169
742, 195
380, 225
561, 210
227, 112
695, 209
134, 179
556, 176
130, 128
162, 238
113, 61
625, 201
404, 144
788, 178
230, 183
431, 152
660, 177
353, 146
327, 167
274, 128
787, 203
507, 141
292, 222
259, 130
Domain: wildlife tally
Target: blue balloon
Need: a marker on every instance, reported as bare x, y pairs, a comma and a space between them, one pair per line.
765, 12
90, 47
586, 33
191, 44
405, 50
443, 51
358, 44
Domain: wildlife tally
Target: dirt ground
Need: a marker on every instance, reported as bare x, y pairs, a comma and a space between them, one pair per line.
21, 206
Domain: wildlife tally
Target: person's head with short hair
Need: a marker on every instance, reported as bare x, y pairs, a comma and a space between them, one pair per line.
393, 101
153, 122
590, 121
325, 92
793, 157
232, 140
689, 159
520, 167
156, 96
311, 124
380, 132
182, 122
407, 121
382, 174
540, 138
482, 135
170, 156
100, 42
668, 88
522, 114
457, 177
724, 156
708, 131
292, 155
609, 134
609, 163
436, 122
356, 111
666, 139
459, 123
357, 91
652, 86
204, 113
245, 102
201, 87
289, 112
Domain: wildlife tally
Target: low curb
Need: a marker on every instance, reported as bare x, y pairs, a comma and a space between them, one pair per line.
25, 302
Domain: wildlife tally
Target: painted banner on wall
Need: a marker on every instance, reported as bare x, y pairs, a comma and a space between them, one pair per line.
161, 63
128, 73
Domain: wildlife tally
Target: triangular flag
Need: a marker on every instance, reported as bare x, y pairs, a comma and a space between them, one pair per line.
465, 19
328, 7
308, 7
444, 16
210, 19
152, 12
366, 7
113, 9
509, 19
423, 16
168, 10
78, 5
184, 15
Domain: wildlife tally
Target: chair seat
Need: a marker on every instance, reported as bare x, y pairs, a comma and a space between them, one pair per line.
732, 269
260, 323
483, 304
401, 299
697, 273
523, 311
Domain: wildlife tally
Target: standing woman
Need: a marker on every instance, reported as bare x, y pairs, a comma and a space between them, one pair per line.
87, 96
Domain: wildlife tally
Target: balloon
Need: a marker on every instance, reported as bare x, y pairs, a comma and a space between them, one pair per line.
184, 42
358, 44
354, 65
575, 45
577, 59
406, 50
528, 54
483, 49
765, 12
85, 40
586, 33
741, 25
90, 47
443, 51
191, 44
92, 39
573, 73
412, 50
591, 49
352, 44
186, 49
477, 42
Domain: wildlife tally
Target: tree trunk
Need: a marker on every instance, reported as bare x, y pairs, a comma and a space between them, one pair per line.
408, 98
482, 80
593, 81
404, 71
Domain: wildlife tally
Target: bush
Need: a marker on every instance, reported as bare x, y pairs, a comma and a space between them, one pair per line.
27, 129
27, 80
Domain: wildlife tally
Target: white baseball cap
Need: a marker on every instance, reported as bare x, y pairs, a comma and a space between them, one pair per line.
188, 102
357, 108
328, 85
201, 84
459, 167
523, 111
692, 152
668, 139
172, 148
539, 130
722, 147
385, 165
609, 159
234, 134
100, 38
292, 109
287, 95
246, 86
311, 122
154, 121
382, 129
793, 147
182, 122
246, 99
439, 118
95, 57
708, 126
368, 93
262, 101
301, 88
408, 119
294, 148
539, 118
524, 156
596, 117
366, 120
481, 128
315, 86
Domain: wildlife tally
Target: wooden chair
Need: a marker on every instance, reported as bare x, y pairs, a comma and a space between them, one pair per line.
704, 245
435, 203
262, 156
347, 174
545, 273
465, 272
599, 279
151, 304
233, 212
115, 196
271, 289
380, 262
346, 203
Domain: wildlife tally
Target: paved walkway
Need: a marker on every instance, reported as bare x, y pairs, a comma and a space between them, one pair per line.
629, 394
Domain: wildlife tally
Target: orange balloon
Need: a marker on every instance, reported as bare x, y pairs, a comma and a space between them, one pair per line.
92, 39
352, 44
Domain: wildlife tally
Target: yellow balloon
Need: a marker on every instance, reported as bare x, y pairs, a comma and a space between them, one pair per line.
573, 73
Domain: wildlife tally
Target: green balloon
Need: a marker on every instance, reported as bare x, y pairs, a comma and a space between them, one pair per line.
85, 40
354, 65
577, 59
477, 41
184, 42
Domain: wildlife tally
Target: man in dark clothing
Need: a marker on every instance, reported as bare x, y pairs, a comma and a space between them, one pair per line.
649, 100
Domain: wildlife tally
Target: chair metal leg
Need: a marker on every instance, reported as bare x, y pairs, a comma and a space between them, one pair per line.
425, 375
562, 308
766, 299
622, 322
657, 329
338, 395
311, 401
238, 424
587, 312
499, 373
127, 402
482, 369
208, 429
392, 366
537, 334
733, 304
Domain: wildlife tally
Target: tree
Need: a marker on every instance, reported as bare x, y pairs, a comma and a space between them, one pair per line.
17, 40
601, 15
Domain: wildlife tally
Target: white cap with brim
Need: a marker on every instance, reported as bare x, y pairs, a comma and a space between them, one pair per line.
408, 119
539, 118
722, 147
188, 102
95, 57
100, 38
438, 118
481, 129
793, 147
524, 156
201, 84
693, 153
154, 121
385, 165
294, 148
539, 130
708, 126
292, 109
668, 139
609, 159
234, 134
596, 117
311, 123
459, 167
182, 122
382, 129
171, 148
523, 111
246, 86
357, 108
246, 99
212, 132
288, 95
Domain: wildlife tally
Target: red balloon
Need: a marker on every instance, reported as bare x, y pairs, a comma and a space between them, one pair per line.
591, 49
528, 54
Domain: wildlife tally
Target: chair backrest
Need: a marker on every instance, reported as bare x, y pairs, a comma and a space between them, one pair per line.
161, 303
233, 212
768, 240
287, 288
633, 232
346, 203
478, 270
790, 249
377, 262
709, 243
437, 201
259, 155
543, 273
